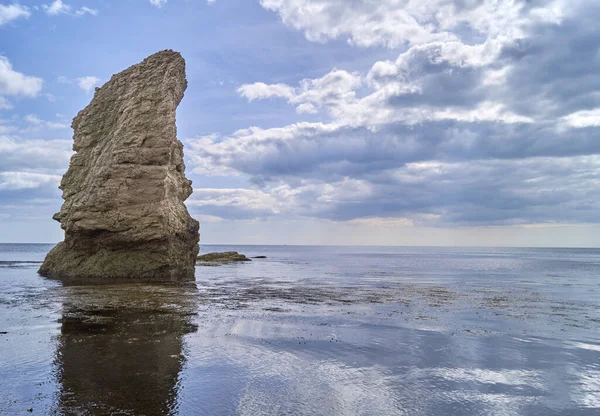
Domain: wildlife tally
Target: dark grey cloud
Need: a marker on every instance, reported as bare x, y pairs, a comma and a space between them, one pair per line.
460, 88
483, 193
355, 152
556, 69
498, 192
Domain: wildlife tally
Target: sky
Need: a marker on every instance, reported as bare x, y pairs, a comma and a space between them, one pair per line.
350, 122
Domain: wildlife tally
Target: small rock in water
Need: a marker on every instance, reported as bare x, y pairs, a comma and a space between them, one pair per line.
259, 257
222, 258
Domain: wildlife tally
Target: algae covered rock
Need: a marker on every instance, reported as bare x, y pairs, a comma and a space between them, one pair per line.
123, 212
222, 258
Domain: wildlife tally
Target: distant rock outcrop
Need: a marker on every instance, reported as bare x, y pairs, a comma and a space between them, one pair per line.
124, 214
221, 258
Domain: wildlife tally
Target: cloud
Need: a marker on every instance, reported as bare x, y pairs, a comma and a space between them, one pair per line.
379, 222
539, 84
306, 108
261, 91
328, 151
30, 171
158, 3
331, 90
86, 10
35, 156
5, 104
26, 180
539, 191
11, 12
234, 203
16, 83
309, 198
485, 113
6, 128
583, 118
35, 121
394, 24
57, 7
420, 86
87, 83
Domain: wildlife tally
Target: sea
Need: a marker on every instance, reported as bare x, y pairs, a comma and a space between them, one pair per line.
309, 330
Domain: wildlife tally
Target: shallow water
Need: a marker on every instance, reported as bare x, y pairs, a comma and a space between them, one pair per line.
310, 331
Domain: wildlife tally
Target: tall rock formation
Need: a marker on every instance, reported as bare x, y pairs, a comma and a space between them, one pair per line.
124, 214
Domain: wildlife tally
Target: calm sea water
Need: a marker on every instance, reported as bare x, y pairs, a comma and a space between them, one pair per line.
310, 331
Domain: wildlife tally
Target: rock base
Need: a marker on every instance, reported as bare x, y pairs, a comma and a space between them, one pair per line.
158, 260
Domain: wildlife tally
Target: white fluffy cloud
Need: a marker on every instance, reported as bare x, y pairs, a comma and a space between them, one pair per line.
58, 7
279, 200
395, 23
87, 83
158, 3
451, 68
390, 81
306, 108
37, 122
241, 203
86, 10
583, 118
11, 12
26, 180
34, 156
332, 91
261, 91
16, 83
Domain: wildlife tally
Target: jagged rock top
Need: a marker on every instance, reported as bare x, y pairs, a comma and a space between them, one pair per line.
162, 80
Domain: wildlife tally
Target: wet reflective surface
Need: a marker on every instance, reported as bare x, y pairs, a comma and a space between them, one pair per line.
310, 331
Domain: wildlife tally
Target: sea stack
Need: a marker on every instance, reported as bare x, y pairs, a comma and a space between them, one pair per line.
123, 212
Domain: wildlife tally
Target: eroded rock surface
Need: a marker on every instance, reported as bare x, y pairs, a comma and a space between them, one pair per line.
124, 214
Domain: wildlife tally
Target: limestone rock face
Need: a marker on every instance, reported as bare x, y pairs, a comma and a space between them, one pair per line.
123, 212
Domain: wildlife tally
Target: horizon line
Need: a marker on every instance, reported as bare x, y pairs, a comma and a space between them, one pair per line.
358, 245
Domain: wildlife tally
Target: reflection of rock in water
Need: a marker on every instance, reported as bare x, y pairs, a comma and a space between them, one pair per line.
120, 350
